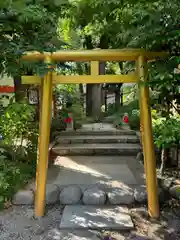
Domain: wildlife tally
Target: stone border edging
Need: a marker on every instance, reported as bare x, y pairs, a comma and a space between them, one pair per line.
93, 195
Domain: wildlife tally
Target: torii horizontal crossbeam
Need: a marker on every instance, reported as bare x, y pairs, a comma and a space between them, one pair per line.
95, 55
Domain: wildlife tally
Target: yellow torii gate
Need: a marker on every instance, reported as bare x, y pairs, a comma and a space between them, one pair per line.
141, 57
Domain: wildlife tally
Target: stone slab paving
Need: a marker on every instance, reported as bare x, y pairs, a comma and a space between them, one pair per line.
83, 170
93, 217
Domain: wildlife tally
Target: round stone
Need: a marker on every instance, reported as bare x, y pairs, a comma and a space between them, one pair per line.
175, 191
52, 194
121, 196
93, 196
23, 197
140, 194
70, 195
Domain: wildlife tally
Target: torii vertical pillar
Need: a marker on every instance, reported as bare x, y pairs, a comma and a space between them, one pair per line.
42, 164
149, 153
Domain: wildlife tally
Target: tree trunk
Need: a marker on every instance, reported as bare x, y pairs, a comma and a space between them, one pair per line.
81, 90
178, 158
93, 91
117, 99
105, 101
89, 99
88, 45
20, 89
121, 97
163, 160
120, 86
96, 94
96, 101
118, 96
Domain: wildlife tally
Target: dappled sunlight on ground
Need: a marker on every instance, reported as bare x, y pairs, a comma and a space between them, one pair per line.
94, 217
67, 162
112, 173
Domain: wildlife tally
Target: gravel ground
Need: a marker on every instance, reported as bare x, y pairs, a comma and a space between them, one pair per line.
166, 228
18, 223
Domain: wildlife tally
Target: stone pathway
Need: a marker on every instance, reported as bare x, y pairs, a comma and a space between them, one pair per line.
94, 187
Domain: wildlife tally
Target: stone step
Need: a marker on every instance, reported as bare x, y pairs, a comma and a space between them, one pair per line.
109, 119
98, 139
96, 218
100, 132
97, 149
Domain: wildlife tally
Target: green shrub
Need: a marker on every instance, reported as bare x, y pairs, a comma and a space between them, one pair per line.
13, 176
166, 132
111, 109
154, 114
17, 126
18, 148
134, 119
126, 108
78, 114
58, 123
77, 111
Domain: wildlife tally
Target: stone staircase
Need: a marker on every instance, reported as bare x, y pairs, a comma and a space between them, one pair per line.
88, 143
96, 180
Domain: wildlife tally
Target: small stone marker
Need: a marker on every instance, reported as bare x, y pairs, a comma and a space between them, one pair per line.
94, 217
